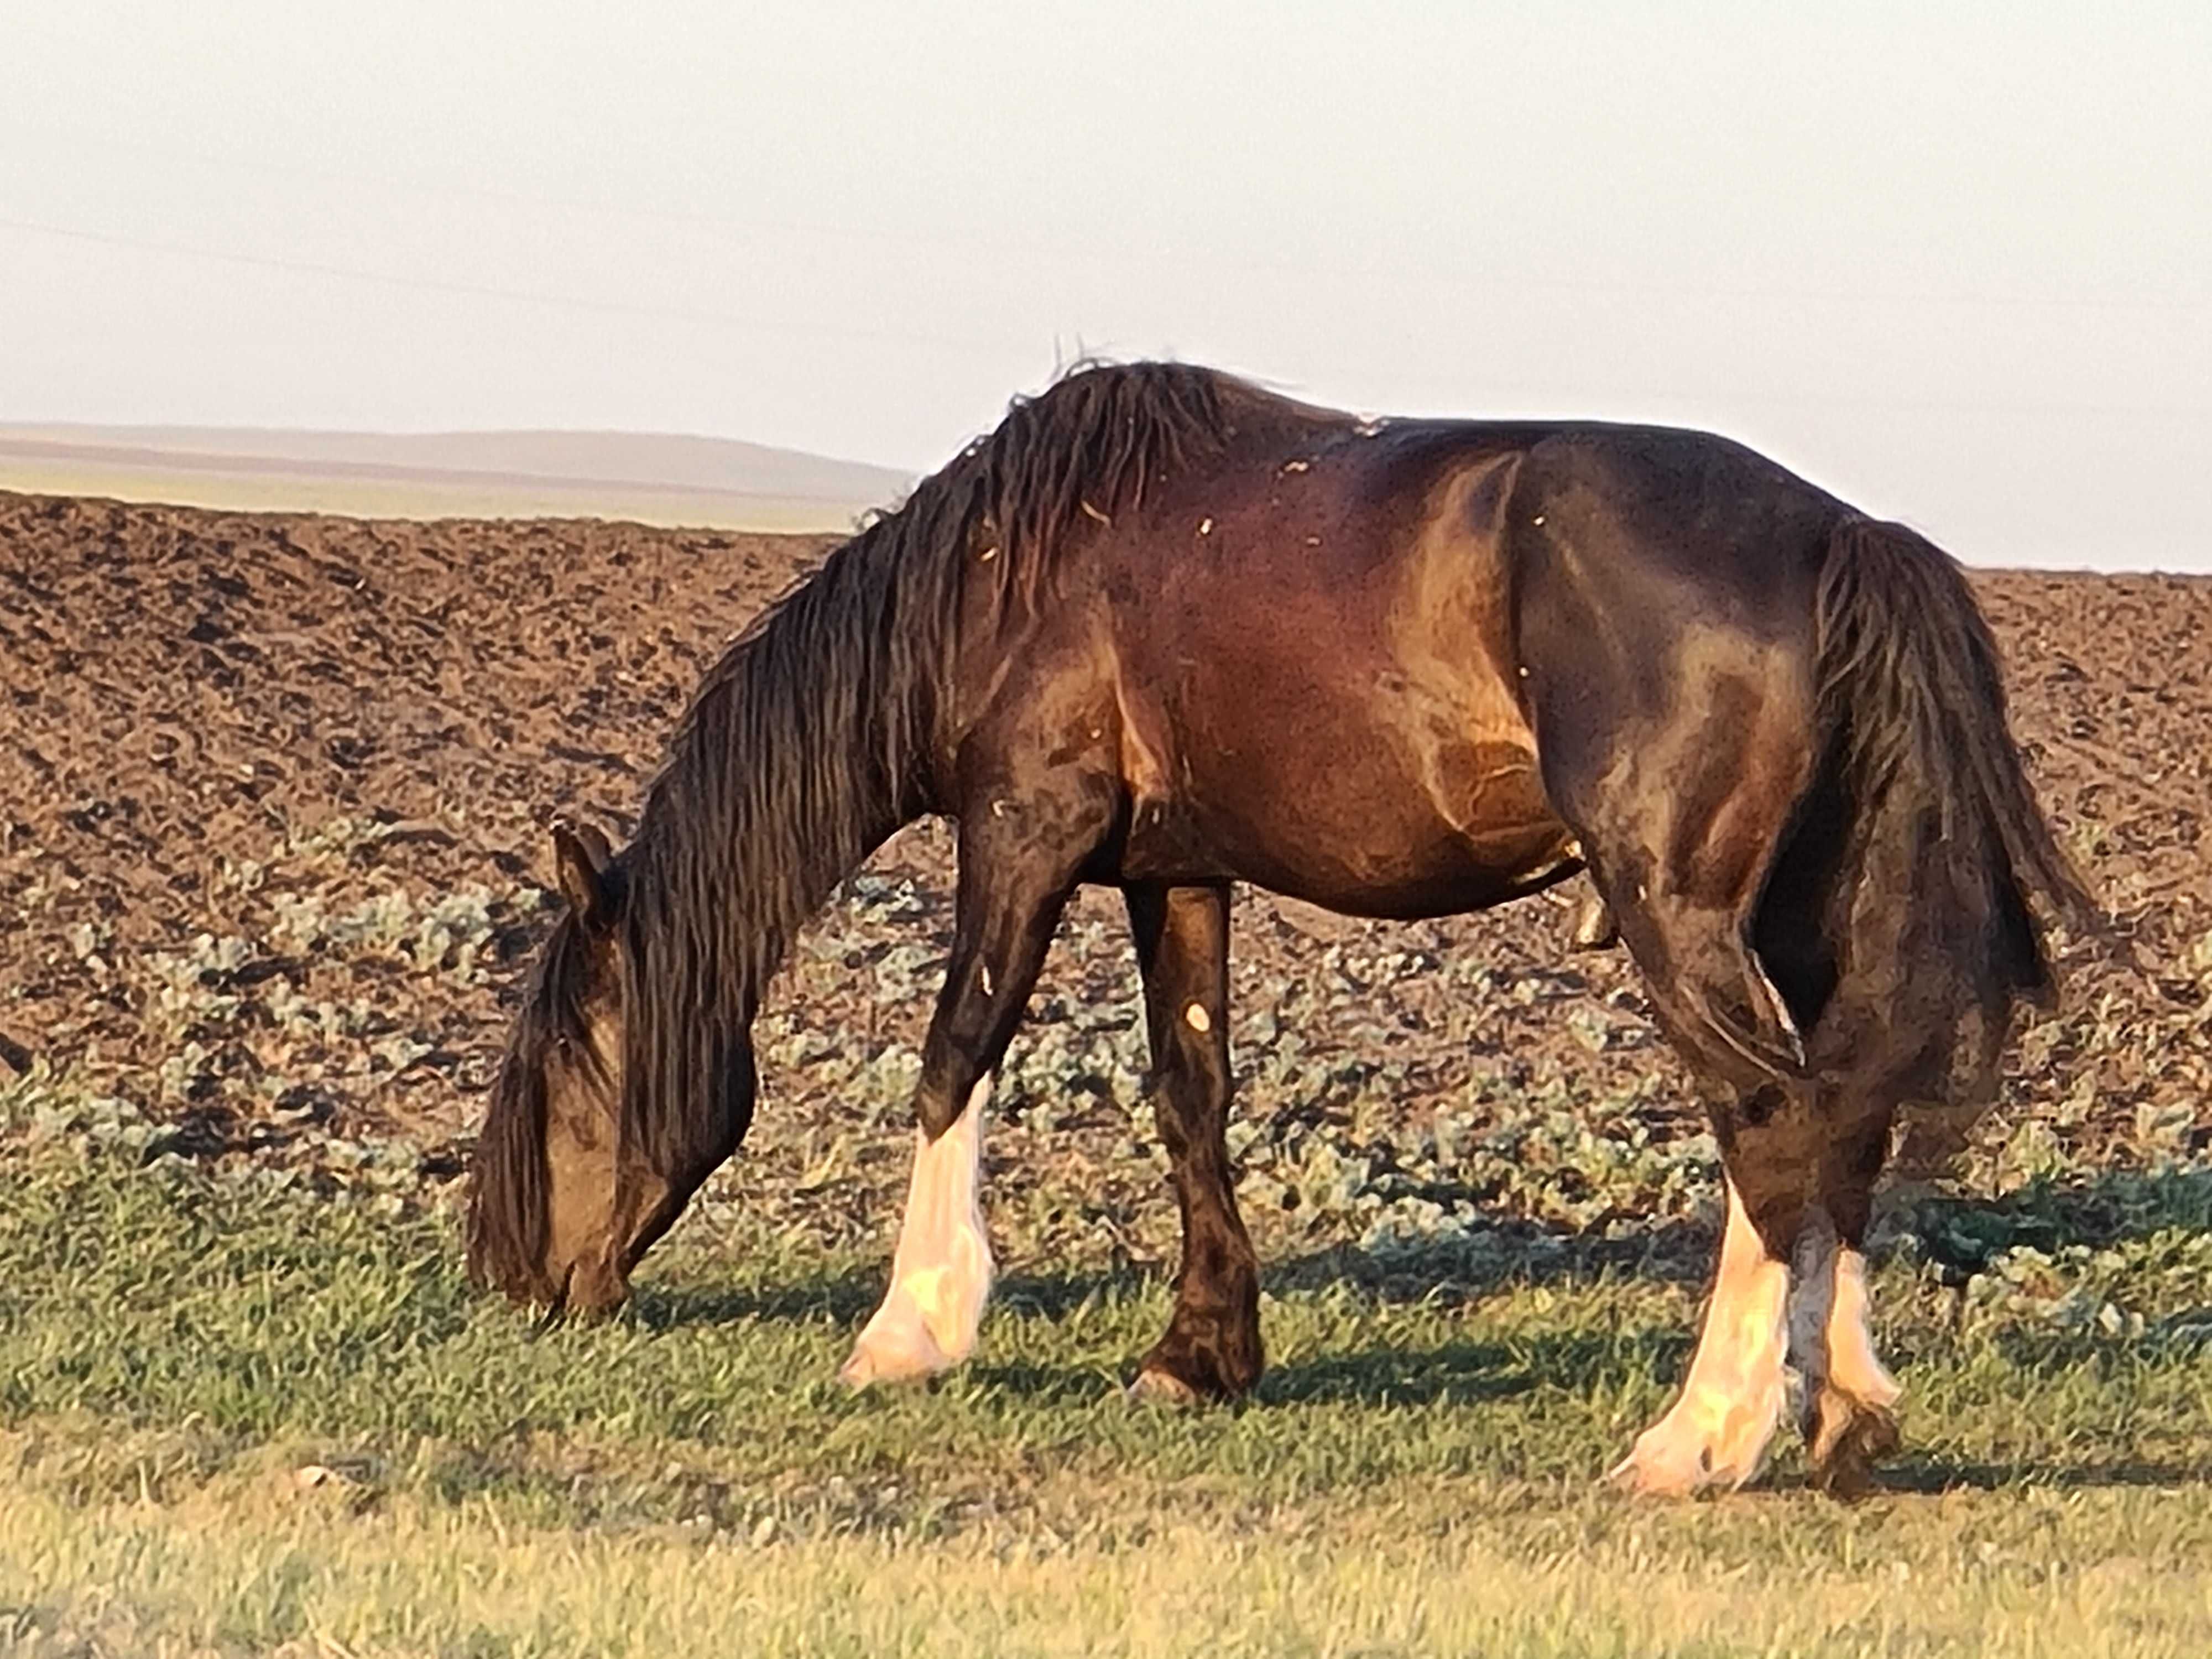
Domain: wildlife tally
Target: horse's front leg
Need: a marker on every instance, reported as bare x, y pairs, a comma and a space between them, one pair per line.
1018, 867
1211, 1347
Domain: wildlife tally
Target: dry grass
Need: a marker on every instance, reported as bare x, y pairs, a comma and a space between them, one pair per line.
275, 1569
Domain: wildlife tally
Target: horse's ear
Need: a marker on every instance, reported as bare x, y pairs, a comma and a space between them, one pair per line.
595, 843
580, 864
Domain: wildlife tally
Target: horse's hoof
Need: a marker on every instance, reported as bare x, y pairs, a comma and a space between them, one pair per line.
870, 1364
1642, 1477
1647, 1477
1848, 1445
1158, 1388
1673, 1458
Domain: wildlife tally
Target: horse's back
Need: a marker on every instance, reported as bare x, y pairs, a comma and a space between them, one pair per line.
1384, 666
1706, 529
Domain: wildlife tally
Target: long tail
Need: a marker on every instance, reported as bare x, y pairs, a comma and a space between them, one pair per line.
1910, 683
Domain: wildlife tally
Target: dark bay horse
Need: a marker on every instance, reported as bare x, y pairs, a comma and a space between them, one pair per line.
1165, 630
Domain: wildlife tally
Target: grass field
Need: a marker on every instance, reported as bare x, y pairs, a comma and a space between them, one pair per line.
238, 1416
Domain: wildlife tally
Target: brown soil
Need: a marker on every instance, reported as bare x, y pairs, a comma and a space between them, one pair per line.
213, 722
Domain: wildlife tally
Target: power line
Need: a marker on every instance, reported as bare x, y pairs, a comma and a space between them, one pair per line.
978, 239
488, 291
954, 343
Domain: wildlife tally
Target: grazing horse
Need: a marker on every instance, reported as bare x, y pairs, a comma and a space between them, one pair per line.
1165, 630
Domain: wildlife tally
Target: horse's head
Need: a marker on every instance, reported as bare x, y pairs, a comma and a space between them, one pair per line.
555, 1212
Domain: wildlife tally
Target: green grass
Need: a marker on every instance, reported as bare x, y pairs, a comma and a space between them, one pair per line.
1416, 1475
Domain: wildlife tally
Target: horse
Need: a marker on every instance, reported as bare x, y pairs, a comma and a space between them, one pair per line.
1166, 630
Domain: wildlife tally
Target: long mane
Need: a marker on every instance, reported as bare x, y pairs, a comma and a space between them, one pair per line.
506, 1222
813, 738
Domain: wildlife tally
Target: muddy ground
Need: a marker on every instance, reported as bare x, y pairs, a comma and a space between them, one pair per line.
273, 792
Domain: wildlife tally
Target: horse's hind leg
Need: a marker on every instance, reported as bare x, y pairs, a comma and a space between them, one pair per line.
1211, 1347
1889, 1028
1018, 867
1717, 1431
1803, 1146
1681, 841
1778, 1134
1850, 1400
1790, 1295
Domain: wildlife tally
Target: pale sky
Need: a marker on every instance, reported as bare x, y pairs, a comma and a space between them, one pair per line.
1953, 262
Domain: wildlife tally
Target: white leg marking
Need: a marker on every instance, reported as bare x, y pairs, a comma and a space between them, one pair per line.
1716, 1434
1849, 1424
1853, 1364
941, 1270
1812, 1306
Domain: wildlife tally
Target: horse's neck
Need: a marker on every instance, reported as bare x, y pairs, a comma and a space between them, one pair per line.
794, 766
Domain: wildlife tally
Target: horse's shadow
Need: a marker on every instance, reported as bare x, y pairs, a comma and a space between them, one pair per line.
1390, 1375
849, 1297
1457, 1273
1460, 1271
1444, 1274
1961, 1235
1465, 1373
1387, 1376
1930, 1475
840, 1298
1957, 1233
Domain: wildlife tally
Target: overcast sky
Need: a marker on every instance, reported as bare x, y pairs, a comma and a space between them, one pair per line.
1954, 262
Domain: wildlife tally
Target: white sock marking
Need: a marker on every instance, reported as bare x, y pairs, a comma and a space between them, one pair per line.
941, 1270
1853, 1364
1846, 1400
1717, 1431
1812, 1305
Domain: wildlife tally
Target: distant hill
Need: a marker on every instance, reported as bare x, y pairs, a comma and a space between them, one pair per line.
650, 477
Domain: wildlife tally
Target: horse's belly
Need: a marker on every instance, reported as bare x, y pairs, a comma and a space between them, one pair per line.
1362, 821
1329, 710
